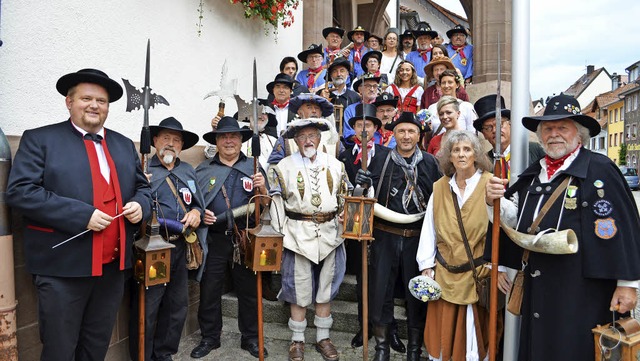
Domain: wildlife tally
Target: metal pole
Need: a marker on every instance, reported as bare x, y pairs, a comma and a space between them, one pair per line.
520, 103
8, 303
260, 314
141, 320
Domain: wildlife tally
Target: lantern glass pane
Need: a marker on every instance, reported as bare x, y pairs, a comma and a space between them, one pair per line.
366, 222
353, 217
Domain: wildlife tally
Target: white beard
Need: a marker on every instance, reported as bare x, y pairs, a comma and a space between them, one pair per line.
167, 158
309, 152
339, 82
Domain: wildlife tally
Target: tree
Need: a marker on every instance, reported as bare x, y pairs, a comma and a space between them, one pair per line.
622, 154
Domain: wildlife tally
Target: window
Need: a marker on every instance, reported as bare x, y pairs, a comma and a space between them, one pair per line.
611, 140
615, 116
601, 141
610, 118
628, 131
634, 131
635, 101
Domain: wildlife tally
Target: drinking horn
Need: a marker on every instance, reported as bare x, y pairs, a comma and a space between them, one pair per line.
548, 241
385, 213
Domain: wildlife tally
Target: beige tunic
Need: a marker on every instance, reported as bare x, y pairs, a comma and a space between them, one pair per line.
297, 180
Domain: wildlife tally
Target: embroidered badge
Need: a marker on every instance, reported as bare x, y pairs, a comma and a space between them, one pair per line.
602, 208
212, 182
330, 181
186, 195
606, 228
570, 201
300, 182
192, 185
598, 184
247, 184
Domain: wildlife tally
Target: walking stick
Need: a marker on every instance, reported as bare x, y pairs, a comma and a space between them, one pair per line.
495, 229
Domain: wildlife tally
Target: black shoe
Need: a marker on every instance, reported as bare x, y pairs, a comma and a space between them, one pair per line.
164, 358
253, 349
204, 348
357, 341
396, 343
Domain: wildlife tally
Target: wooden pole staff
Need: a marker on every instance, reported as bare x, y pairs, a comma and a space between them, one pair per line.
365, 268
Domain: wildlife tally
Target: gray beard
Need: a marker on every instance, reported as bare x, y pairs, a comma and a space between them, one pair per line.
339, 82
309, 152
167, 158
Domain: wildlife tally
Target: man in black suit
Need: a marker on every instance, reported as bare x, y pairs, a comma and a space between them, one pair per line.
67, 178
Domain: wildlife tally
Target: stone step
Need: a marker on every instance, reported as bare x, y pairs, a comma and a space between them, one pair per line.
345, 314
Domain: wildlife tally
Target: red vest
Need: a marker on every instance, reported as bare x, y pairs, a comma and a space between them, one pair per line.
409, 103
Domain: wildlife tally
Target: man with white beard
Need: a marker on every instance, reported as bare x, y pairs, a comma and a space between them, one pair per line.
339, 93
173, 183
422, 55
307, 187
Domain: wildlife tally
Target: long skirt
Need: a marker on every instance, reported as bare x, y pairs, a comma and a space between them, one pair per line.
445, 332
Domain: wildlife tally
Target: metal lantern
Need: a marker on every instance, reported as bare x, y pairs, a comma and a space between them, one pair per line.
265, 246
152, 256
619, 343
358, 218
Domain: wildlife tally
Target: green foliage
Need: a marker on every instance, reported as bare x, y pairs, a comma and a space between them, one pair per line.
622, 154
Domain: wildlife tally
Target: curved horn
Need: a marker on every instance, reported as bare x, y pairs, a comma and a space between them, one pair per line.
237, 212
385, 213
548, 241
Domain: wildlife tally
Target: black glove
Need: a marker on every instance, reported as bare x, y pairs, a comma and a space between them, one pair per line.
363, 178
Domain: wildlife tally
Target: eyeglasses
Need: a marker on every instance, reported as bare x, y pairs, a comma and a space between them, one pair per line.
491, 128
305, 137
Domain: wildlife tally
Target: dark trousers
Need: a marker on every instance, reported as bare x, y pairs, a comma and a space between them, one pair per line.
393, 256
219, 260
165, 310
77, 314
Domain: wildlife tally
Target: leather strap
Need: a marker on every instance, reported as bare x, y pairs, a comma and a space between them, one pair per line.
384, 169
315, 218
175, 193
460, 268
464, 236
404, 232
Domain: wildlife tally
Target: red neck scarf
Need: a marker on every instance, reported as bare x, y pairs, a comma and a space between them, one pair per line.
280, 105
357, 56
459, 50
554, 164
331, 53
385, 136
423, 53
359, 143
311, 76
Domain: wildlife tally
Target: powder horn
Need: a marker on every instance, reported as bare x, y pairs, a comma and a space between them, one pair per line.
548, 241
385, 213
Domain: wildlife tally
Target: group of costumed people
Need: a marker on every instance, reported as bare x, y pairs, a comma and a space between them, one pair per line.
425, 165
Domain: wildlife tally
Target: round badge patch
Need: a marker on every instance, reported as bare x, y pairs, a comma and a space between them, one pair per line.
602, 208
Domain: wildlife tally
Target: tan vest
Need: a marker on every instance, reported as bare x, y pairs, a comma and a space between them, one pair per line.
459, 288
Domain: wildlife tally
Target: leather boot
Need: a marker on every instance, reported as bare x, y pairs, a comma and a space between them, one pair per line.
414, 344
394, 340
381, 334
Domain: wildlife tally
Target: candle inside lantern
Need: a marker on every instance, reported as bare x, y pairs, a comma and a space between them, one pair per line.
356, 224
263, 258
152, 272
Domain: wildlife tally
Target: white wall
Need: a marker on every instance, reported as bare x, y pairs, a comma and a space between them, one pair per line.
44, 40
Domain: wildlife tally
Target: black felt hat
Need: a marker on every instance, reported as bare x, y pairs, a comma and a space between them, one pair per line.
280, 78
563, 107
332, 29
358, 29
227, 125
386, 99
94, 76
457, 29
407, 117
312, 49
367, 112
364, 77
486, 108
407, 33
372, 53
189, 139
340, 61
424, 28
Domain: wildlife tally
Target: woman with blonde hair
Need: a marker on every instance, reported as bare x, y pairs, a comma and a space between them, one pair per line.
449, 84
456, 327
406, 88
448, 113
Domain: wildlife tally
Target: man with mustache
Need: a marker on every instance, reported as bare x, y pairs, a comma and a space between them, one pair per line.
173, 185
567, 295
407, 43
339, 93
422, 55
308, 186
460, 52
368, 87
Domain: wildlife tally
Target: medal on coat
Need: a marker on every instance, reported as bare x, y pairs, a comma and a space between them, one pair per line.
316, 200
463, 61
606, 228
247, 184
300, 182
570, 201
212, 182
599, 184
186, 195
602, 208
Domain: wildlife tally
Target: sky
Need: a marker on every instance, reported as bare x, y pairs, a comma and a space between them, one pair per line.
568, 35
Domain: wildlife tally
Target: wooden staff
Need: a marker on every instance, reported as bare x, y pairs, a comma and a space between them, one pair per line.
141, 320
495, 229
365, 268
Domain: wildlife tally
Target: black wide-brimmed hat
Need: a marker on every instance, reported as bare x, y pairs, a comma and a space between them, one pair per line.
380, 40
325, 106
332, 29
364, 77
358, 29
367, 112
312, 49
424, 28
457, 29
563, 107
486, 108
189, 139
407, 117
227, 125
94, 76
341, 61
386, 99
372, 53
407, 33
280, 78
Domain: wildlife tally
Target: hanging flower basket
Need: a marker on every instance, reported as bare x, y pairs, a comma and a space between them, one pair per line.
273, 12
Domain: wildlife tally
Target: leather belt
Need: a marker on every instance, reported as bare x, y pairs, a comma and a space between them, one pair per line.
466, 267
315, 217
399, 231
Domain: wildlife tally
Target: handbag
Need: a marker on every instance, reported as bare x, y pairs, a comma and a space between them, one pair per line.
483, 286
239, 239
514, 304
193, 251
